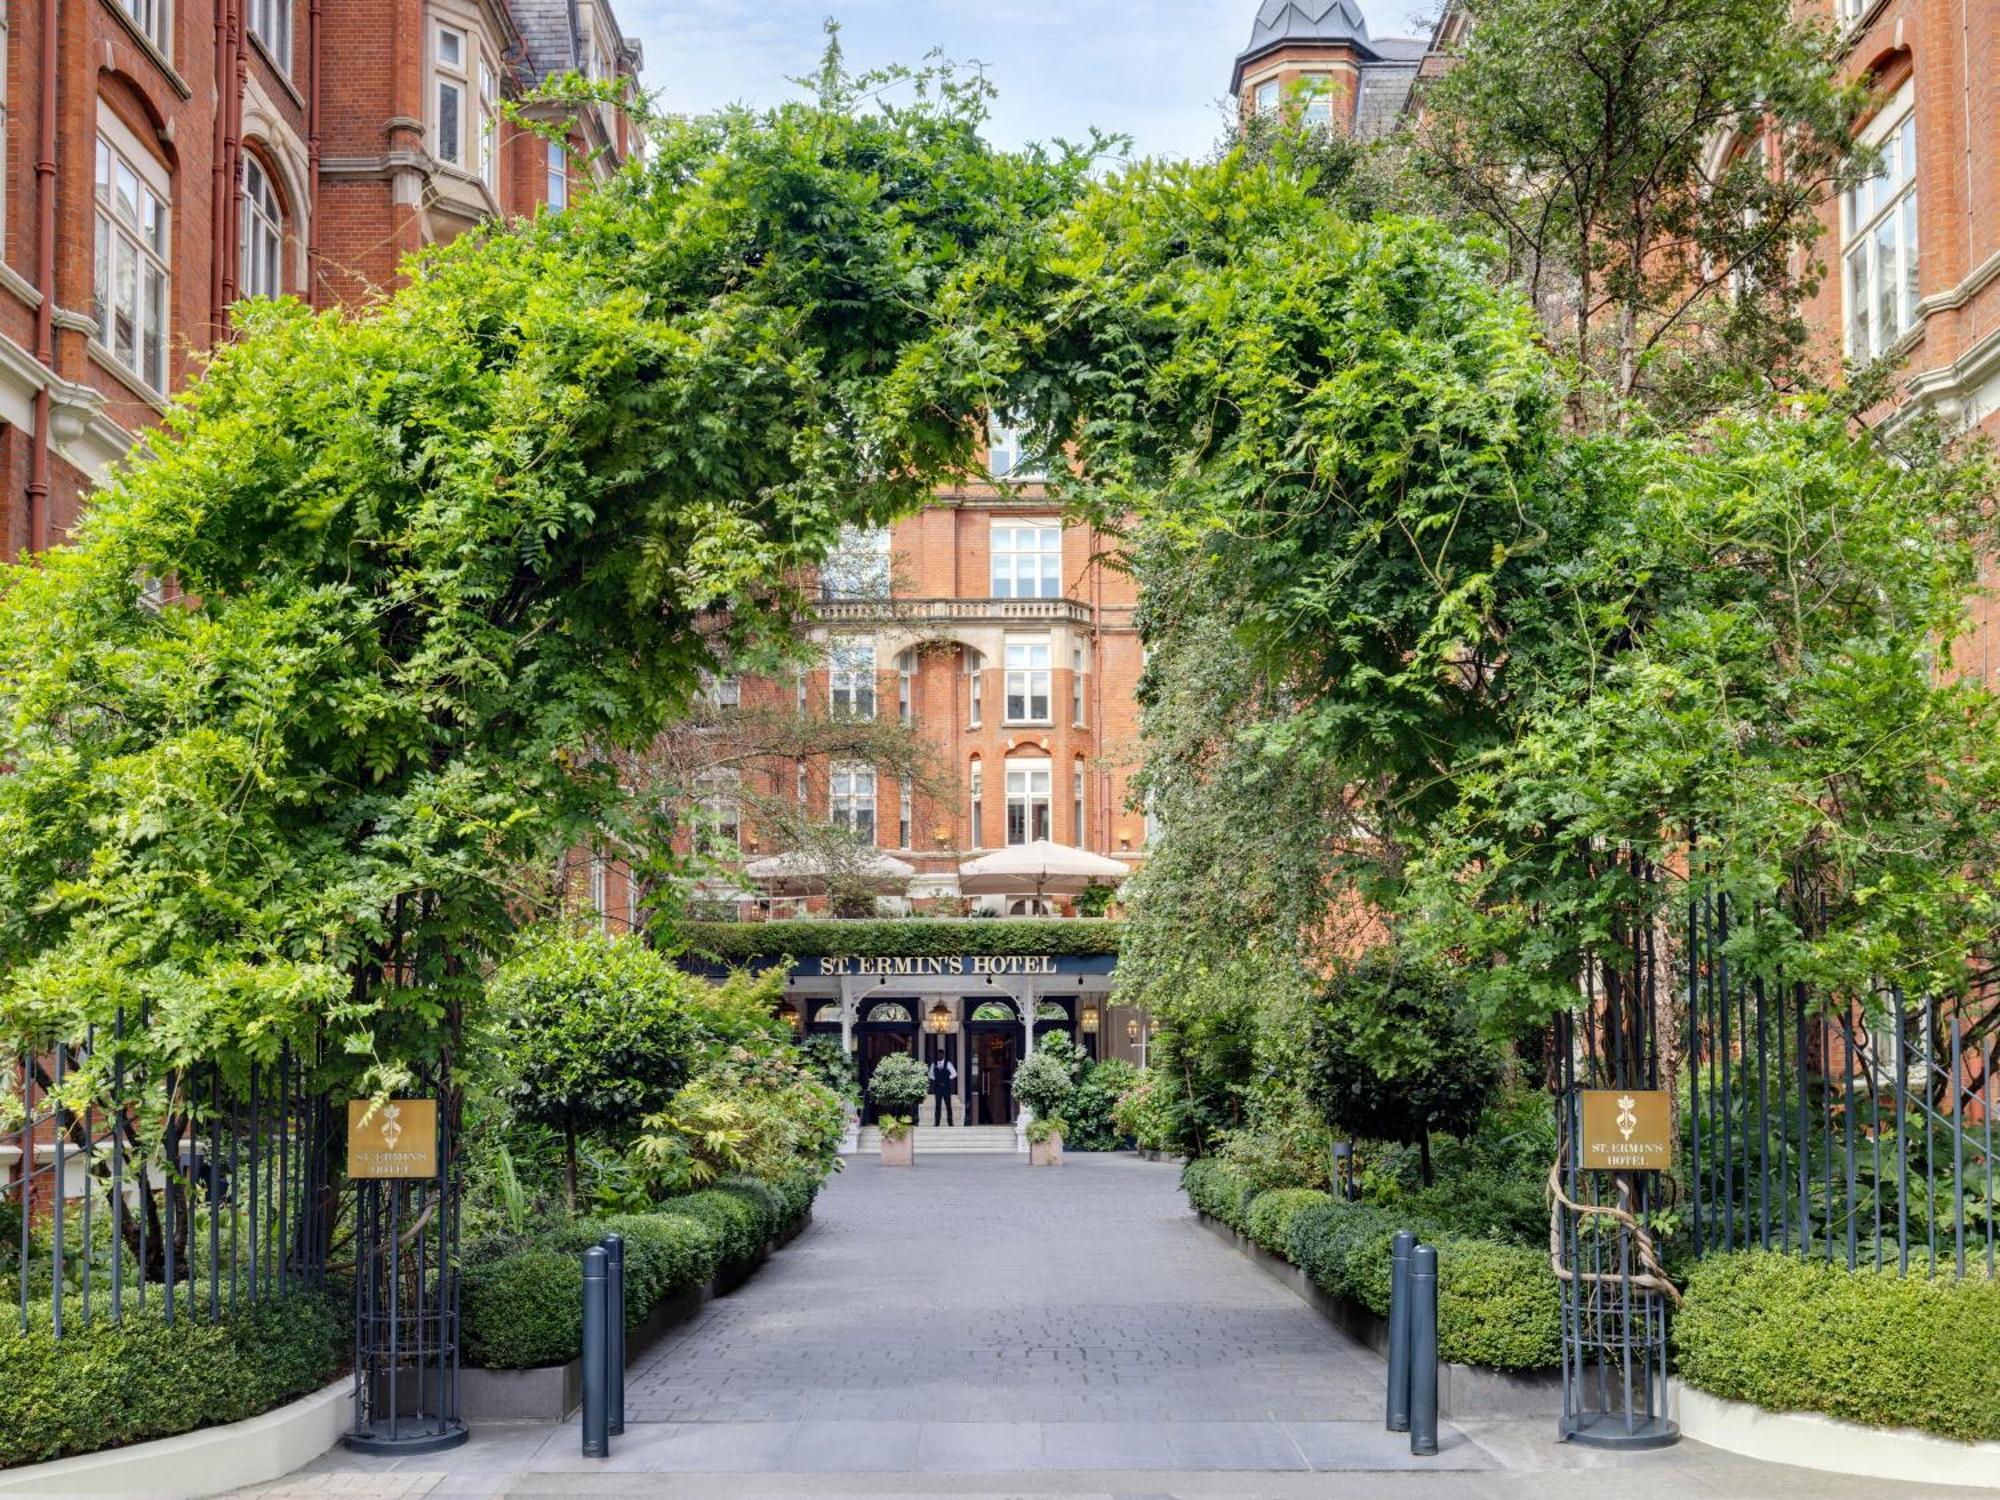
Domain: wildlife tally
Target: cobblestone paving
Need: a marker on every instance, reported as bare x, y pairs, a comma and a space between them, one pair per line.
975, 1328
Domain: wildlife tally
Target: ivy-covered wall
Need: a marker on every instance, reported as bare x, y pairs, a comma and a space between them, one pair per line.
738, 942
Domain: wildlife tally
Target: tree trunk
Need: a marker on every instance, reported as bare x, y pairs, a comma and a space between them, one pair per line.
569, 1169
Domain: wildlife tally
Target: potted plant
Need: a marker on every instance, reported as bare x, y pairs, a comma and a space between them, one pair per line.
1045, 1138
1044, 1083
897, 1089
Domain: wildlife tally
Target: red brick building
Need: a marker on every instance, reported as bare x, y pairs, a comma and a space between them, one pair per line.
163, 158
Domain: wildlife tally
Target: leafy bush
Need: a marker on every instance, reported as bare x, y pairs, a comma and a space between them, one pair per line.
767, 1200
898, 1084
1216, 1189
1485, 1206
1269, 1222
523, 1307
745, 1114
798, 1189
1043, 1082
112, 1384
924, 937
1279, 1155
833, 1065
737, 1222
1089, 1111
1899, 1352
1498, 1305
1144, 1113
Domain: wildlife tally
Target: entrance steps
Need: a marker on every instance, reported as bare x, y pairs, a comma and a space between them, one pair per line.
937, 1140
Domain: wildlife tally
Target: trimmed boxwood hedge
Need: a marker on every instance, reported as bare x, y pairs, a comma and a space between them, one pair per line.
110, 1385
1269, 1222
1790, 1334
762, 1196
738, 1223
524, 1308
891, 937
1217, 1190
798, 1188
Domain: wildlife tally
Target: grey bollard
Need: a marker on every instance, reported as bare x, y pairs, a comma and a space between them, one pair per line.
1424, 1350
1400, 1245
614, 1344
596, 1320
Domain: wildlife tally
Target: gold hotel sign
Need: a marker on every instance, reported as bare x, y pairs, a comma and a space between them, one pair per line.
918, 966
393, 1139
1628, 1130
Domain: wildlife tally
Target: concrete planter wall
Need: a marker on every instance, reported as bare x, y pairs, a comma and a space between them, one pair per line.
1463, 1390
900, 1153
550, 1393
1813, 1441
1046, 1153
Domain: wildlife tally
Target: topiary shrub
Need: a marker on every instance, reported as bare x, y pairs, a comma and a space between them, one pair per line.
112, 1384
767, 1200
1044, 1082
1269, 1222
737, 1221
798, 1189
898, 1085
1913, 1351
1217, 1190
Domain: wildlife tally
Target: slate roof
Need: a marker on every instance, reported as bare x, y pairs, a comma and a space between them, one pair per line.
1388, 65
1281, 21
551, 31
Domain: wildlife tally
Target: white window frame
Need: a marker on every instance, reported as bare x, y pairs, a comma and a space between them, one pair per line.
137, 231
1030, 799
975, 688
1076, 676
1076, 802
1006, 457
152, 19
850, 800
1316, 90
905, 809
1024, 558
720, 802
489, 123
722, 692
557, 192
858, 565
976, 780
261, 248
906, 685
850, 677
1028, 678
1879, 249
1267, 98
454, 77
270, 21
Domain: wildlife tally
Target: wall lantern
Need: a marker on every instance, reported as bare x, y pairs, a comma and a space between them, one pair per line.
1090, 1020
789, 1014
1132, 1029
1153, 1026
938, 1022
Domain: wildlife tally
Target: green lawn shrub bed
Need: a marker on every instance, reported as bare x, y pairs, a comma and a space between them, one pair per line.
523, 1301
110, 1385
1790, 1334
1497, 1303
911, 937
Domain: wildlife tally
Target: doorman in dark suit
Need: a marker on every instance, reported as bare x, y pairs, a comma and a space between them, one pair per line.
944, 1084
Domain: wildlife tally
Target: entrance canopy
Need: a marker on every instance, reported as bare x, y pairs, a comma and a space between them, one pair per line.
1040, 868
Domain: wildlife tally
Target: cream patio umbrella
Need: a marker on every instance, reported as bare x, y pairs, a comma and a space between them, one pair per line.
1041, 867
803, 873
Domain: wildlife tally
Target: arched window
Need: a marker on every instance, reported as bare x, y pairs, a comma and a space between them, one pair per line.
977, 781
993, 1010
263, 238
827, 1015
888, 1010
1051, 1010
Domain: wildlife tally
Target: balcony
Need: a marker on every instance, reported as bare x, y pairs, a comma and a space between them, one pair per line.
954, 611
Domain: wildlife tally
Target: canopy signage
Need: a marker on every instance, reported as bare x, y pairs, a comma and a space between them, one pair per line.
1628, 1130
395, 1138
916, 966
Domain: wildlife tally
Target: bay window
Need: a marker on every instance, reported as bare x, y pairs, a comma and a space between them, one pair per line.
558, 178
449, 126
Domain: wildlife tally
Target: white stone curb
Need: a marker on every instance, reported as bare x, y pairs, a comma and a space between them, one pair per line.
194, 1464
1809, 1440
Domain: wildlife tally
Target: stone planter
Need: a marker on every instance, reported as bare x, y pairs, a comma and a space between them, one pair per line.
902, 1153
1046, 1153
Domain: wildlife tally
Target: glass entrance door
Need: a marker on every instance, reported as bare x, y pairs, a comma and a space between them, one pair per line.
989, 1096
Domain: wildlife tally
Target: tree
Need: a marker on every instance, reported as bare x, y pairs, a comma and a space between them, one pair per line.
1396, 1055
1655, 170
593, 1034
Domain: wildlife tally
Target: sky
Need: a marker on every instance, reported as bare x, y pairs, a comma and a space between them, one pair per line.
1061, 66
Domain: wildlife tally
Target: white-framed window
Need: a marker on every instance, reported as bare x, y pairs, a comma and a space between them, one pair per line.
852, 801
1028, 793
719, 831
1027, 559
271, 24
453, 64
600, 898
1879, 235
722, 692
558, 169
1317, 90
851, 677
1076, 686
976, 781
1267, 97
975, 688
1076, 804
803, 688
1028, 682
906, 686
858, 565
154, 20
489, 124
133, 274
904, 810
802, 783
1006, 458
262, 249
